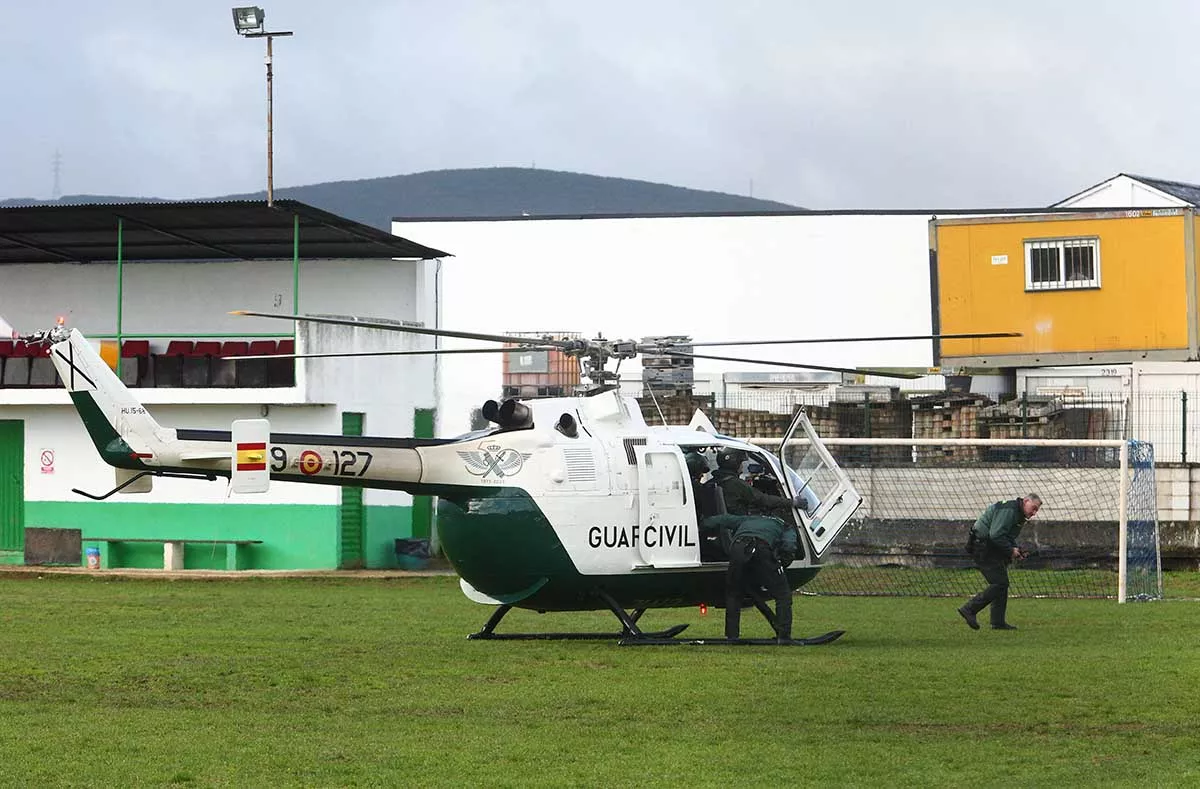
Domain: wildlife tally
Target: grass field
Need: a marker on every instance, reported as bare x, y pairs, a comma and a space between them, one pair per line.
349, 682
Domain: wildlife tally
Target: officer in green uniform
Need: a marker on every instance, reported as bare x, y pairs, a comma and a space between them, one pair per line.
762, 547
993, 541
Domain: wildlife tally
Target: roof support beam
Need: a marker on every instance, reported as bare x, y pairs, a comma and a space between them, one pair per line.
180, 237
353, 231
58, 253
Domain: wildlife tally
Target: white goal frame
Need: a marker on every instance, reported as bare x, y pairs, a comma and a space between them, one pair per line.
1121, 445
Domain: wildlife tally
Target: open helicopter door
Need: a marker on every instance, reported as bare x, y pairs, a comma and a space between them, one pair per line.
814, 474
666, 534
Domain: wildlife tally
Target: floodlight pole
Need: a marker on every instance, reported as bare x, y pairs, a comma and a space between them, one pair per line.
270, 127
270, 111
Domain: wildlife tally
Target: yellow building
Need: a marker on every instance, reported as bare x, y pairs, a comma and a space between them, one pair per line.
1089, 287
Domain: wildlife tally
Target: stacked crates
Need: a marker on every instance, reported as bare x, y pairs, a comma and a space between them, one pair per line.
948, 415
670, 374
1032, 417
530, 374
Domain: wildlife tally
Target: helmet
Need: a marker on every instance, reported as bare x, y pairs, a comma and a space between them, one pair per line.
730, 459
696, 464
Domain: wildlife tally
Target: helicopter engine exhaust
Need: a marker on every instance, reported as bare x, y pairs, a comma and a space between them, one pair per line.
566, 425
509, 415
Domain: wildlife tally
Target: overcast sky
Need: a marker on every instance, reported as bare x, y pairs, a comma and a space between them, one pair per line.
874, 103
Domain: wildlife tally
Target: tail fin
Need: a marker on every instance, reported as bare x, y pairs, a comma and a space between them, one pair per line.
123, 431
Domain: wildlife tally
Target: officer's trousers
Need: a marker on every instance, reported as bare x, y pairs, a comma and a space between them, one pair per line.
752, 565
994, 567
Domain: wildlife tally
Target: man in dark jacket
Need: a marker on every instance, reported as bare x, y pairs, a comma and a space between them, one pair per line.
744, 499
994, 540
761, 548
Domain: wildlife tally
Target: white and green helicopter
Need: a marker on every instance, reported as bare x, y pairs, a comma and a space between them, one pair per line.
563, 504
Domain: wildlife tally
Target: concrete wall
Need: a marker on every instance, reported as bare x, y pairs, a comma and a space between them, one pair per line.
928, 509
942, 493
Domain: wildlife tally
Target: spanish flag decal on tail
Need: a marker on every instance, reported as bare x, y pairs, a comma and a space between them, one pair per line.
252, 456
248, 465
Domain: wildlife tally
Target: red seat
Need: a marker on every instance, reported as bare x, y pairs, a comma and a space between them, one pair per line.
235, 348
39, 351
134, 349
20, 350
6, 347
262, 347
206, 348
179, 348
136, 371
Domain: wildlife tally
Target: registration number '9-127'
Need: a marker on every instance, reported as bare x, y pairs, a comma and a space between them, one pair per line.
339, 462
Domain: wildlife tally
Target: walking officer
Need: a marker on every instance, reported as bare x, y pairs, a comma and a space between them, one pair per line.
993, 545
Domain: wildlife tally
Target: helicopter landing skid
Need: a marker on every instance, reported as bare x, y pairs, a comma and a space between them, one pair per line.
629, 629
812, 641
761, 604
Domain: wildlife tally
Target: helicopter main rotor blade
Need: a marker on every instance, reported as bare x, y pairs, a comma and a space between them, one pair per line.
851, 370
432, 351
967, 336
464, 335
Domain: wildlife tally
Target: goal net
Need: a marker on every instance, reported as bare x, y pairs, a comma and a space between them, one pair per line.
1095, 536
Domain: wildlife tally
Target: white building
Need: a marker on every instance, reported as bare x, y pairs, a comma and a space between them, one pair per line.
182, 268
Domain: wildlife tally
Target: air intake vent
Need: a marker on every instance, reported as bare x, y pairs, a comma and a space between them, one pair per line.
580, 465
630, 443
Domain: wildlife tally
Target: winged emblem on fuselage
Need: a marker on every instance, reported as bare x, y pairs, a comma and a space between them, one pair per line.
493, 459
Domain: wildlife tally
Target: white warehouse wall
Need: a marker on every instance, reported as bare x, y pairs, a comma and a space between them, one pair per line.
714, 278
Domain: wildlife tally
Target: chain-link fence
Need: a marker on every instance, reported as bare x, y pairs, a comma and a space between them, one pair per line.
1168, 420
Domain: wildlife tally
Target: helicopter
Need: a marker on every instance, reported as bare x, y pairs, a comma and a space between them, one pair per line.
561, 504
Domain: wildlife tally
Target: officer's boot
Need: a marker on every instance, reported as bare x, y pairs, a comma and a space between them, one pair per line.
783, 619
999, 610
733, 621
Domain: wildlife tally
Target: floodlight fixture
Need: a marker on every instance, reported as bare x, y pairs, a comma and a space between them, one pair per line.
248, 19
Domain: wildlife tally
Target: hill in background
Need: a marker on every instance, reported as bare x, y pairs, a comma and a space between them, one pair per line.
486, 192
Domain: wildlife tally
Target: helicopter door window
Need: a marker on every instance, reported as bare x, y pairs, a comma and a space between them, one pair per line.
813, 473
666, 531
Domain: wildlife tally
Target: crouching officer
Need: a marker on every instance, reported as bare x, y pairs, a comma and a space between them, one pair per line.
761, 548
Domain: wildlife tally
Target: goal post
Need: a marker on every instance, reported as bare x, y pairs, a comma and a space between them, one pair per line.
1096, 535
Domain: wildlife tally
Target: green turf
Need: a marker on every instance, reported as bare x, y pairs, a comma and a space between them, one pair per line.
277, 682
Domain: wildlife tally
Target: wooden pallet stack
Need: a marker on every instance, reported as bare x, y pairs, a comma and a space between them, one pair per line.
1033, 417
676, 410
948, 415
746, 423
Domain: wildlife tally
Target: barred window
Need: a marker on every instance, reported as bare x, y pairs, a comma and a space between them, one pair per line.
1062, 264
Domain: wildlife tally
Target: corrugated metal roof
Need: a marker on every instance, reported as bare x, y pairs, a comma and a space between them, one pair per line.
1189, 193
194, 230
